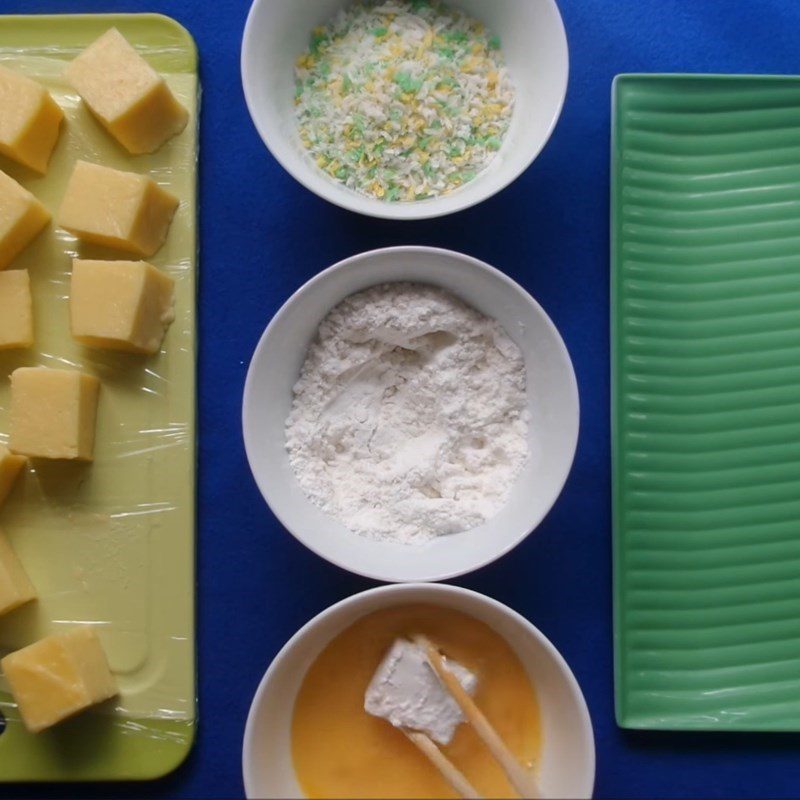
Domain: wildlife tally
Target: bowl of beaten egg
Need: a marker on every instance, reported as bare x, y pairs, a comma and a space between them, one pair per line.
514, 55
308, 735
549, 400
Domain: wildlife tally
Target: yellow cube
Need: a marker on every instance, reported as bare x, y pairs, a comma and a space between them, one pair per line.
120, 305
29, 120
16, 309
53, 413
10, 467
22, 216
16, 588
129, 98
58, 676
117, 209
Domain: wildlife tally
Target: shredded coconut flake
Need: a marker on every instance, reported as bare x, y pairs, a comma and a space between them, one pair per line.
403, 99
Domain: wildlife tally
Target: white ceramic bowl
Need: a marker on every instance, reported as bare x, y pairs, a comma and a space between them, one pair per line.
568, 758
552, 400
535, 47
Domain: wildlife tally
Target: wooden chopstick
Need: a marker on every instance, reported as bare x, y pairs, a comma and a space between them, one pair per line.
521, 778
447, 769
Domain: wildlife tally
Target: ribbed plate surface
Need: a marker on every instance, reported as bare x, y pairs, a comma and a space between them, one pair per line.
706, 406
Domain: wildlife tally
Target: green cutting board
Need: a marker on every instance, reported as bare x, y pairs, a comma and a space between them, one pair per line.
705, 300
110, 544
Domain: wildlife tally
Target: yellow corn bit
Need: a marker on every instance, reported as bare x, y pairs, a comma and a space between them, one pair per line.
493, 77
321, 162
423, 157
409, 193
378, 190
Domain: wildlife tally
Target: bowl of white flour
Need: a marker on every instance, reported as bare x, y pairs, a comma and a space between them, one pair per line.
410, 414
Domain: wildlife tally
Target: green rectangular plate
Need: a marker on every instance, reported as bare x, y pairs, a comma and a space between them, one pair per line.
110, 544
705, 311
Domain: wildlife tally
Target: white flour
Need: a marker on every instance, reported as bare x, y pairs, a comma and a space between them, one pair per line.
409, 418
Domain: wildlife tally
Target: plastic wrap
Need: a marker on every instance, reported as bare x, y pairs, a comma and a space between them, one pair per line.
109, 544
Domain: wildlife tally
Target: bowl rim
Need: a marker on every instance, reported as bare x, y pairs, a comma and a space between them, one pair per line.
413, 250
399, 590
427, 209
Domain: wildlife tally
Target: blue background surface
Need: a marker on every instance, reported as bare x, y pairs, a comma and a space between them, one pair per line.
263, 236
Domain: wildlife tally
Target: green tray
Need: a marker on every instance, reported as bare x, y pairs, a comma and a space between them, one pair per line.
705, 311
112, 544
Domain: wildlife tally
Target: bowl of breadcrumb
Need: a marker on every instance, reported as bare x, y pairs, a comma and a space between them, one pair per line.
405, 109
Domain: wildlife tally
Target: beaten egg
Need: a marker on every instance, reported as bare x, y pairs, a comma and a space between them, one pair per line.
339, 750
